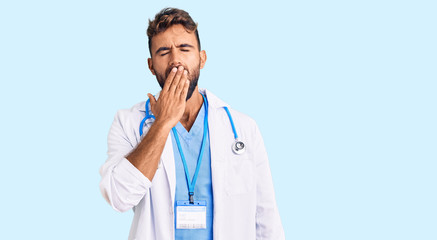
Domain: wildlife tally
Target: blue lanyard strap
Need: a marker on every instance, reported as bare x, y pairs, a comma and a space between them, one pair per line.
199, 160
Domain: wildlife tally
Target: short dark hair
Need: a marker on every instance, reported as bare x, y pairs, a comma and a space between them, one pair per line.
168, 17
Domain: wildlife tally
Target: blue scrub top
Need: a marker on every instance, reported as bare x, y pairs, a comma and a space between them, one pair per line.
191, 143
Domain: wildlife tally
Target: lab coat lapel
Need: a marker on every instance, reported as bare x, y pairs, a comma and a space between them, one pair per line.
217, 157
217, 143
167, 158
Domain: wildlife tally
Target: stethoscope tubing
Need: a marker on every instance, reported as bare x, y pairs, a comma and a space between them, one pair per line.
232, 122
148, 115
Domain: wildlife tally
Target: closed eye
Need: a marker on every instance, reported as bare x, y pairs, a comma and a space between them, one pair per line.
185, 47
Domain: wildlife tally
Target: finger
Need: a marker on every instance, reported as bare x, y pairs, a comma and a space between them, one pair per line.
181, 83
169, 79
152, 101
176, 79
185, 90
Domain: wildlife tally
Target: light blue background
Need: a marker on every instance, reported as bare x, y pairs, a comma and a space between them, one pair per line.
344, 93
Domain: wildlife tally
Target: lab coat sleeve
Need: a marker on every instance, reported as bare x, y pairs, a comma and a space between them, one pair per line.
122, 184
268, 221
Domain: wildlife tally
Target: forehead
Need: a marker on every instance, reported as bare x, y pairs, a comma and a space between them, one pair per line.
174, 36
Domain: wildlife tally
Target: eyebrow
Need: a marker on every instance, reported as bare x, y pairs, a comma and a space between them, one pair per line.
161, 49
185, 45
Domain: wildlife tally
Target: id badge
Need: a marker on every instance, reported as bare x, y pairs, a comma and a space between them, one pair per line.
191, 216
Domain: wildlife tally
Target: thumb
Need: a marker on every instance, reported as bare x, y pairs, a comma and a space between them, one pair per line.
152, 101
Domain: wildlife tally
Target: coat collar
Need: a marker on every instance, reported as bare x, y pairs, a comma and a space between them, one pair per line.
213, 100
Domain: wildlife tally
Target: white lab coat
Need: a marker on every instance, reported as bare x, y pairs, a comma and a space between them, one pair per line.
244, 200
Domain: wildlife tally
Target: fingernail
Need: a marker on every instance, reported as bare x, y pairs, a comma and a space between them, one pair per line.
185, 72
174, 69
181, 68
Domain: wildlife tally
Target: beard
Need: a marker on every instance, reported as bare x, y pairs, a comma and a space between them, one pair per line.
193, 77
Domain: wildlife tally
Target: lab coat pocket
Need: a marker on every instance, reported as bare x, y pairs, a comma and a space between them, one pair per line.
240, 177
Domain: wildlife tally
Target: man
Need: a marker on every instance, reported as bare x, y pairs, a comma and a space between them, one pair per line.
177, 162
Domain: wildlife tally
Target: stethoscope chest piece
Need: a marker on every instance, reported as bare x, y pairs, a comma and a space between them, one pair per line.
238, 147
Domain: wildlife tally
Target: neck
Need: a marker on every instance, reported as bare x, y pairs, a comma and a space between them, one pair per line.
192, 108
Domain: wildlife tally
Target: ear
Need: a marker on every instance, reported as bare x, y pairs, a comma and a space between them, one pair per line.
150, 63
202, 58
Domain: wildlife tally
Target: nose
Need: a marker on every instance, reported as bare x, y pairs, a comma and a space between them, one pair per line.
175, 58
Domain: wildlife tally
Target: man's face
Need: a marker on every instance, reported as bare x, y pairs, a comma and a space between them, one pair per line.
176, 47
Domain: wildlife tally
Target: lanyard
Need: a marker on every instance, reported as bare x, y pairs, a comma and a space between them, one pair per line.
199, 160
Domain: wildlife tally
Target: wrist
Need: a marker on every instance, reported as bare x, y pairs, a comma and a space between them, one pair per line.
163, 124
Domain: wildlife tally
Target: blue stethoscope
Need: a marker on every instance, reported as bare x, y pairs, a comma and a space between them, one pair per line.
238, 146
